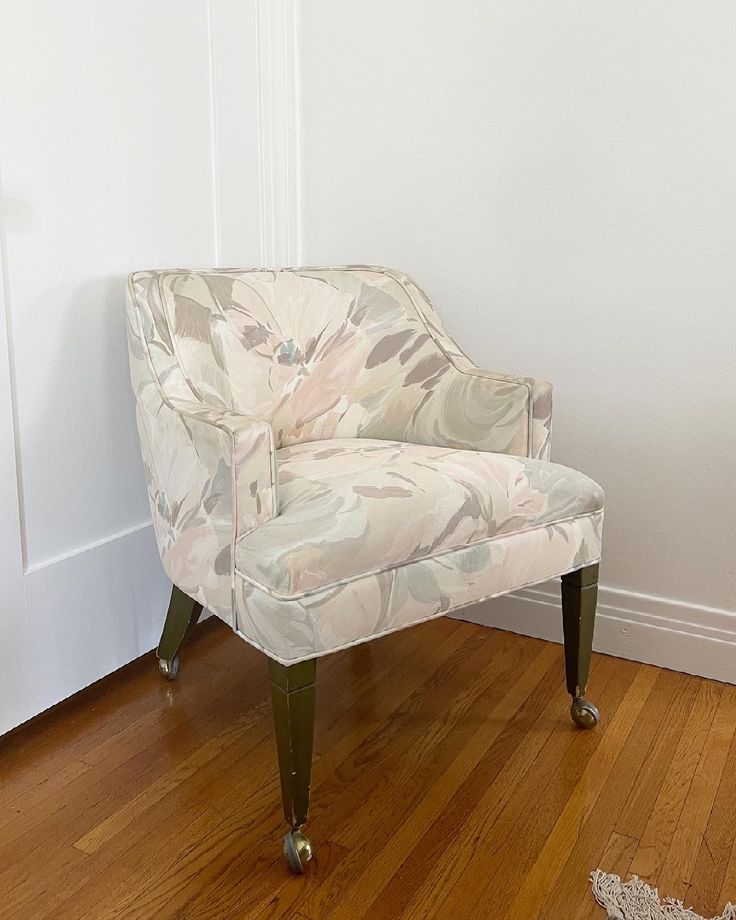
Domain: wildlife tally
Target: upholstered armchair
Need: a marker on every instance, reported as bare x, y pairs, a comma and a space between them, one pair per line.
325, 466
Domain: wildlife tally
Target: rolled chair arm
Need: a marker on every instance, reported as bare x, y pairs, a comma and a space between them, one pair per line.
475, 409
480, 410
211, 477
245, 445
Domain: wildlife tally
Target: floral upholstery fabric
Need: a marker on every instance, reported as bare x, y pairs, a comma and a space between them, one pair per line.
351, 507
323, 463
330, 353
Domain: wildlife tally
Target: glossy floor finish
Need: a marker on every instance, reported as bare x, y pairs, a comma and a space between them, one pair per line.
448, 782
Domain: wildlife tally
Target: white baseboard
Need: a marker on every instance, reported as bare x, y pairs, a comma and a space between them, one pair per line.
641, 627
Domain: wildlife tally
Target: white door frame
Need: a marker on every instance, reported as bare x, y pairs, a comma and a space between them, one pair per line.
17, 697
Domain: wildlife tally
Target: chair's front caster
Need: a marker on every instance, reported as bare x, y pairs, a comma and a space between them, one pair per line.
168, 668
181, 619
584, 713
297, 850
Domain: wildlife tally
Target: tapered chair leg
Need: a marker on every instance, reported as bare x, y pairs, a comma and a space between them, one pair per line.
180, 621
293, 697
579, 599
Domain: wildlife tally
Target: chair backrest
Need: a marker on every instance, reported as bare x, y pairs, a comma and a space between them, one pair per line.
325, 352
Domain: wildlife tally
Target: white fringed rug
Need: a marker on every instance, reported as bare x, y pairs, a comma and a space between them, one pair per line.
635, 900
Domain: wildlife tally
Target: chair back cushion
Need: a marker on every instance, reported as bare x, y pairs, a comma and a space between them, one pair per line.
319, 353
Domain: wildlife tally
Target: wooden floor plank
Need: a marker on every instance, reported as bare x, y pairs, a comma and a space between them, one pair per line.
529, 821
465, 834
616, 857
227, 780
676, 874
728, 891
333, 779
559, 844
708, 877
249, 820
421, 745
570, 893
447, 778
657, 835
373, 875
642, 795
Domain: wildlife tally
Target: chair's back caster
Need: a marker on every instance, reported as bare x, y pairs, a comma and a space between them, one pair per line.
584, 713
168, 668
297, 850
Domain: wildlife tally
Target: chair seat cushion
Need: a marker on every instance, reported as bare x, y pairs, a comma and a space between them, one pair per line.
352, 507
374, 536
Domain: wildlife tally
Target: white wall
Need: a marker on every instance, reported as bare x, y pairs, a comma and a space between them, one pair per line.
560, 177
128, 139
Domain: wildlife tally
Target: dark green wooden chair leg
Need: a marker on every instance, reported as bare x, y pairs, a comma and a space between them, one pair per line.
579, 599
293, 697
180, 621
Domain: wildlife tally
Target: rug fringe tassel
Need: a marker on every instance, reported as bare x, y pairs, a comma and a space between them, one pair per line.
635, 900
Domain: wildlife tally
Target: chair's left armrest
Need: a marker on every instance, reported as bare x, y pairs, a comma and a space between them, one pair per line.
522, 406
475, 409
540, 421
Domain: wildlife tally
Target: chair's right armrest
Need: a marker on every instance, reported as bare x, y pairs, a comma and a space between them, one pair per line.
211, 477
211, 472
242, 445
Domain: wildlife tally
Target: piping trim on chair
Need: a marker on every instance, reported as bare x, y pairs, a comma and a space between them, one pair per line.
393, 629
429, 556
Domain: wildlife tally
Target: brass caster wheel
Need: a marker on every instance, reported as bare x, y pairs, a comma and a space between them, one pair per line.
297, 851
168, 669
584, 713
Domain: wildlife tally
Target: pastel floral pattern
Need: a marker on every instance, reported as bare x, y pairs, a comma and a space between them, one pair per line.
354, 506
324, 464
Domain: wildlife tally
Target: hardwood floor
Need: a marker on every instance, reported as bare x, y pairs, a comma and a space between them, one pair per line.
448, 782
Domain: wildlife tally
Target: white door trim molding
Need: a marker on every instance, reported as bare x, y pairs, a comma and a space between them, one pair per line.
279, 132
88, 547
15, 706
214, 132
641, 627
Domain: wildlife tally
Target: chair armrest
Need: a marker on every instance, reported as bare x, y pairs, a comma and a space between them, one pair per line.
245, 445
474, 409
211, 477
488, 411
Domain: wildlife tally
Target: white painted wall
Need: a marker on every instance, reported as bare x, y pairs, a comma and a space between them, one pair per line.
127, 140
560, 177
